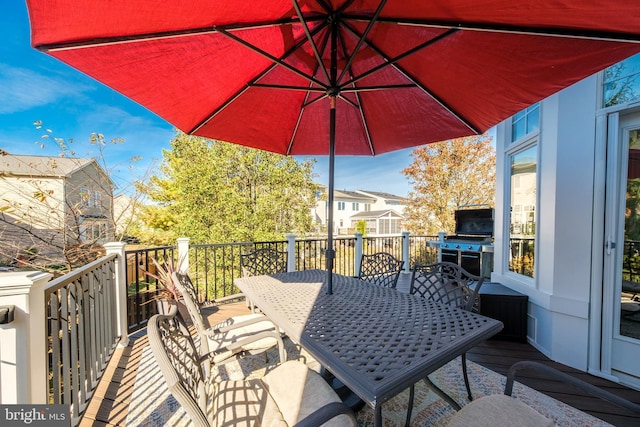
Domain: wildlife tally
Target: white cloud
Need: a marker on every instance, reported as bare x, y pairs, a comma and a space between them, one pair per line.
24, 89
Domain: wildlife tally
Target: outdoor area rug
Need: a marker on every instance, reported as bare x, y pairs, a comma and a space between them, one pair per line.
152, 404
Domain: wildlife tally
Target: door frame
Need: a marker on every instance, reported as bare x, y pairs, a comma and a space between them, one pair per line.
611, 171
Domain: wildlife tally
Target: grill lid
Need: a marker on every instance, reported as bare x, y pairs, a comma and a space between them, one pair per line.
474, 222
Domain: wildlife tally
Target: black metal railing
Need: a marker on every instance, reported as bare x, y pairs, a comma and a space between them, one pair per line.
213, 267
142, 287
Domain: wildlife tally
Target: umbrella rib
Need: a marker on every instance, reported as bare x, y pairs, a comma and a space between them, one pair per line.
358, 105
375, 88
364, 35
505, 28
134, 38
312, 42
272, 58
306, 101
391, 62
287, 87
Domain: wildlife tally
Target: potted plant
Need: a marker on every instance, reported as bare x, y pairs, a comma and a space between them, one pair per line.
166, 292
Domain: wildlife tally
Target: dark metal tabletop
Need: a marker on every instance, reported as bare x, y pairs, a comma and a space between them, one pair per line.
376, 340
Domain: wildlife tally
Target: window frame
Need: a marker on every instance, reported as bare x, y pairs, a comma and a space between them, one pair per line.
512, 148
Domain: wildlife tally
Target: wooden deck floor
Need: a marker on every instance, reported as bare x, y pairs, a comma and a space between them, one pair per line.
110, 402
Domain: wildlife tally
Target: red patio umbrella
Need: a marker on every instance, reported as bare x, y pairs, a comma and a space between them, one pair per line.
336, 76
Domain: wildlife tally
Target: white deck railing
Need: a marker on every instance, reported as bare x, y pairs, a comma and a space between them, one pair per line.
63, 332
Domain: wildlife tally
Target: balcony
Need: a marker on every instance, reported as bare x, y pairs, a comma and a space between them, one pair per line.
106, 342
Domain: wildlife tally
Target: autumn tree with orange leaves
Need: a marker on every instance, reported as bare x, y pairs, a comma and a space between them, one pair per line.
446, 176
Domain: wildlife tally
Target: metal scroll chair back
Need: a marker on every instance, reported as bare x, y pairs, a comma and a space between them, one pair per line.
448, 283
290, 394
191, 301
248, 333
180, 364
381, 268
263, 261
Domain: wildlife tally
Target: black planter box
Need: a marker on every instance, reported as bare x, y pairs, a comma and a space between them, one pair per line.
508, 306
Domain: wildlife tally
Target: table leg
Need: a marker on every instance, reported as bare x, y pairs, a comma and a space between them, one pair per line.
377, 422
442, 394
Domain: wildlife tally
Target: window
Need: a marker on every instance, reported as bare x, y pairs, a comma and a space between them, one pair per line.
523, 200
85, 197
355, 206
622, 82
389, 226
93, 231
367, 207
341, 206
97, 199
525, 122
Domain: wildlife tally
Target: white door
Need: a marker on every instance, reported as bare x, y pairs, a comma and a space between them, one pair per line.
621, 291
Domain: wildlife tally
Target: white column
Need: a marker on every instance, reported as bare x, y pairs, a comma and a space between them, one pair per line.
23, 342
405, 251
358, 253
291, 252
183, 254
121, 290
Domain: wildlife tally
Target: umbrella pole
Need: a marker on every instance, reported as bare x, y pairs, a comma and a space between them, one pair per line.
331, 253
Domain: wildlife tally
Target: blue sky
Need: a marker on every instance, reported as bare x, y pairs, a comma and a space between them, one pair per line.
34, 86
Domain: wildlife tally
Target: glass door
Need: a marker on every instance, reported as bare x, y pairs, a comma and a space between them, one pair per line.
623, 256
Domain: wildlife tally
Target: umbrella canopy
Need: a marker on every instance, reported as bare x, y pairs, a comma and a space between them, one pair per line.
336, 76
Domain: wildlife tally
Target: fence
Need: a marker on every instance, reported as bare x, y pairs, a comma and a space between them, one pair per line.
62, 334
213, 267
81, 332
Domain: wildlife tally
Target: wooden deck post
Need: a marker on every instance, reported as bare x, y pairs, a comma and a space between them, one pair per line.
291, 252
357, 253
405, 252
23, 353
121, 290
183, 254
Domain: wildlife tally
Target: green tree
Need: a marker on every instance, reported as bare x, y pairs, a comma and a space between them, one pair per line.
212, 191
445, 176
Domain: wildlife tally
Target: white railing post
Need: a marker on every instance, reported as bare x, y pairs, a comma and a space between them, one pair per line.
23, 342
405, 251
358, 253
291, 252
183, 254
121, 290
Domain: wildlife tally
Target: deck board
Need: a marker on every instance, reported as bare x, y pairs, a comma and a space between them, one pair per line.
109, 404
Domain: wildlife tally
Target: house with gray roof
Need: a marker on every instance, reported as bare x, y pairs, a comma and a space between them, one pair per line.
53, 207
382, 212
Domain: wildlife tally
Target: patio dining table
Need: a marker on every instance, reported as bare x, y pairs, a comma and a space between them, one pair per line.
377, 341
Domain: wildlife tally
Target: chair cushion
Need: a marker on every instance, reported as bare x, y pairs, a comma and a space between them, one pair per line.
283, 397
223, 339
498, 410
244, 403
298, 391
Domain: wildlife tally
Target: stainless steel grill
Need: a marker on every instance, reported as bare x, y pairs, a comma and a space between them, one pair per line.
472, 245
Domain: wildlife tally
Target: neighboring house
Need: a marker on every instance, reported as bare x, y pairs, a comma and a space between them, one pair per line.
125, 213
53, 206
381, 211
567, 230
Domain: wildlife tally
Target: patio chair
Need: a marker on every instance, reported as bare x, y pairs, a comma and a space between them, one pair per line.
502, 409
263, 261
448, 283
290, 394
381, 268
245, 334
